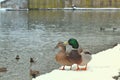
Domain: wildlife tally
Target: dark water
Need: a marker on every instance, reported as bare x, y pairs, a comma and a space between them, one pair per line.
34, 34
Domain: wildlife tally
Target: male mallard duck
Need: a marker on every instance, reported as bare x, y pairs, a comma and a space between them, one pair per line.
62, 56
77, 55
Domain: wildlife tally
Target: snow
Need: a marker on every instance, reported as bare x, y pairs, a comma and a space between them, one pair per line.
1, 1
92, 8
103, 66
5, 9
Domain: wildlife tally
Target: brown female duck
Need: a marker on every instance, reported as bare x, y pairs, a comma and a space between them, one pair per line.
62, 56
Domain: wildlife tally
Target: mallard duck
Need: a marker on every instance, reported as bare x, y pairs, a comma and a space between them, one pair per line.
17, 57
3, 69
34, 73
32, 60
77, 55
62, 56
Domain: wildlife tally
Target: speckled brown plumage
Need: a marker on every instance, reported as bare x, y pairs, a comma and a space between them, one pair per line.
62, 56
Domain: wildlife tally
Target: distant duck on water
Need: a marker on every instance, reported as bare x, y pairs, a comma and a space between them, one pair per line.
17, 57
32, 60
3, 69
74, 6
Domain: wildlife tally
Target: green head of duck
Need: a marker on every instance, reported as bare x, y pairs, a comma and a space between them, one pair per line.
74, 43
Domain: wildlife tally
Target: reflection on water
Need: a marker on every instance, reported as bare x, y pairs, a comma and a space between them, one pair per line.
34, 34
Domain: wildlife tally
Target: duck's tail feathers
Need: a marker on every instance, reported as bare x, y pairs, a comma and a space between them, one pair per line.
86, 52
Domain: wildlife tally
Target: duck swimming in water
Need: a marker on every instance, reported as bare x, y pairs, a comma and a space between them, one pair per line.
77, 55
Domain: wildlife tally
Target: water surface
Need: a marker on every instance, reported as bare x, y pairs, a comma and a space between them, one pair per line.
34, 34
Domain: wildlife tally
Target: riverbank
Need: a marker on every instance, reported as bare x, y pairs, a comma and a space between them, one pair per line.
11, 9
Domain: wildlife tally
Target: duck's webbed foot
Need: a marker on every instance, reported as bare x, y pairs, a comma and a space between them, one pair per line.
70, 67
62, 68
78, 68
84, 68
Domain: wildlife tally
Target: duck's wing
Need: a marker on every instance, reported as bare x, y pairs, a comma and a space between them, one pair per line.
86, 57
74, 55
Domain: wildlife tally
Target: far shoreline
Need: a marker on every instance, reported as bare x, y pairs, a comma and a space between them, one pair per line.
12, 9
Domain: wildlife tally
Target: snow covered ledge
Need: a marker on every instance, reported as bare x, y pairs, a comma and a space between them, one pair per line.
103, 66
